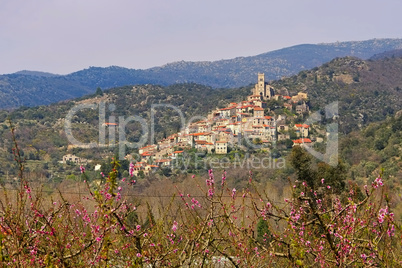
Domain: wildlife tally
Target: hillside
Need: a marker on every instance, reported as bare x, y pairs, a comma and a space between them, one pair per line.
41, 135
29, 88
376, 147
367, 91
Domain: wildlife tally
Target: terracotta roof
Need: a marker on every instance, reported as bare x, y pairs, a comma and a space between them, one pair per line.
163, 160
152, 166
199, 134
258, 109
147, 146
178, 152
303, 126
305, 140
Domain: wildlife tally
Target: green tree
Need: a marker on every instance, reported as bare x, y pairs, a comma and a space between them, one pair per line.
335, 177
302, 161
99, 92
263, 233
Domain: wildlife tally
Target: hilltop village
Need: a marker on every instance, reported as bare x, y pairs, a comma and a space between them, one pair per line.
225, 128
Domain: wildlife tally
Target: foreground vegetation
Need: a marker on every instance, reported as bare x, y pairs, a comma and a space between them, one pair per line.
212, 225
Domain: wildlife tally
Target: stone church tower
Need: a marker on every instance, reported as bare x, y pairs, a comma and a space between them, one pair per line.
262, 88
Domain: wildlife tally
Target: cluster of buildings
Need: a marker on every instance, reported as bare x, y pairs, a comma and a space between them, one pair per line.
226, 127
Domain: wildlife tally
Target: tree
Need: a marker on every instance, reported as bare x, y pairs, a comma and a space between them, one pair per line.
301, 161
335, 177
99, 92
263, 233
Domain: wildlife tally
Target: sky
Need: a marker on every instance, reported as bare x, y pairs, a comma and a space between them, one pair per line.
64, 36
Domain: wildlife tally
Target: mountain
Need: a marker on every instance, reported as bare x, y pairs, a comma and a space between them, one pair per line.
388, 54
35, 73
29, 88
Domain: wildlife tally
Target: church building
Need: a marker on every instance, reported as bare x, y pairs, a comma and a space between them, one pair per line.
263, 89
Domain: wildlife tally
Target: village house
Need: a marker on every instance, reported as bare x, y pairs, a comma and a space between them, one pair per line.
221, 147
301, 130
282, 137
302, 108
228, 112
302, 142
164, 162
74, 159
282, 127
299, 97
258, 112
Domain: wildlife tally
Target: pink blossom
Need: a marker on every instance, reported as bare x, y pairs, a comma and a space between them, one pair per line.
174, 228
233, 192
377, 182
391, 231
210, 192
82, 169
322, 180
131, 169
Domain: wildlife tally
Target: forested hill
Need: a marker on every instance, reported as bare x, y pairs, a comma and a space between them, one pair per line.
27, 88
367, 91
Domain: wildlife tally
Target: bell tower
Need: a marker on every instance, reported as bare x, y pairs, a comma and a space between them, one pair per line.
260, 86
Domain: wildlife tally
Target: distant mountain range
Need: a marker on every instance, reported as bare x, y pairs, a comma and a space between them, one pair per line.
30, 88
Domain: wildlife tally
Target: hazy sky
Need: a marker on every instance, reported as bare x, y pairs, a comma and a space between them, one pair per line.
63, 36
